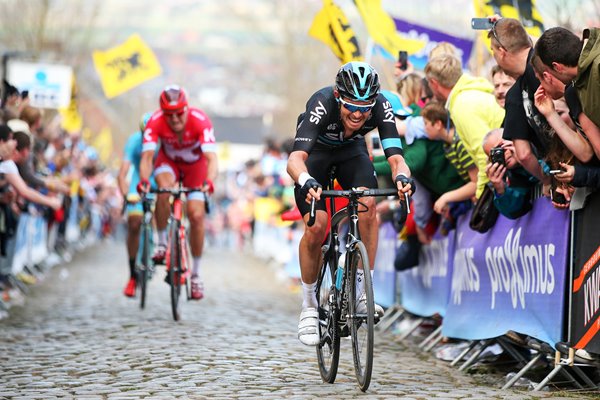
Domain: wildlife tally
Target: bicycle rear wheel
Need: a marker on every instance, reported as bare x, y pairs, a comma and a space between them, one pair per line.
175, 269
144, 271
328, 350
361, 325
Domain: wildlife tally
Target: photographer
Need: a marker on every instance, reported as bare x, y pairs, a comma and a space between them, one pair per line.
512, 183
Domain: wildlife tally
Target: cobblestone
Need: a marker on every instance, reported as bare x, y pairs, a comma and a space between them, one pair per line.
81, 338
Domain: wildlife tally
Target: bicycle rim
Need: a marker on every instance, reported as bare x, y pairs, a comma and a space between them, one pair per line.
328, 350
175, 272
144, 272
361, 325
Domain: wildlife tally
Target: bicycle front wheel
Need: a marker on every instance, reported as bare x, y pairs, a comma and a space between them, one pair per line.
144, 272
362, 316
328, 350
175, 269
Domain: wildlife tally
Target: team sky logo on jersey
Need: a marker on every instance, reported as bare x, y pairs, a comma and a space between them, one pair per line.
388, 112
317, 113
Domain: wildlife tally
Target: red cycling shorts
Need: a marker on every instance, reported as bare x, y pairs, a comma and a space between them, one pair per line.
192, 174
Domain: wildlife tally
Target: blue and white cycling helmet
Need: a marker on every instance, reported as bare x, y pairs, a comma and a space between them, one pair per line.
357, 81
144, 121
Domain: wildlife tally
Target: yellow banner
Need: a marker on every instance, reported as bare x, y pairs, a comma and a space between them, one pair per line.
332, 28
72, 122
382, 29
126, 66
523, 10
103, 143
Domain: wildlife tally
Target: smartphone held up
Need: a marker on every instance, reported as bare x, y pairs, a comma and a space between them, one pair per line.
403, 60
481, 24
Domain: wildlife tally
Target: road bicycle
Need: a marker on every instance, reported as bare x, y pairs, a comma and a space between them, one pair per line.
336, 287
145, 265
178, 251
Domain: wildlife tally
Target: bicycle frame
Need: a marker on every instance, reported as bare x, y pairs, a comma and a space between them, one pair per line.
338, 295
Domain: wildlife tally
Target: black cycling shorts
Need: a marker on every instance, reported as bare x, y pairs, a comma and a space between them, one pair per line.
354, 168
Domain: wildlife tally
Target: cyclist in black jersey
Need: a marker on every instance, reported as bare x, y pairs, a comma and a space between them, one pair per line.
331, 132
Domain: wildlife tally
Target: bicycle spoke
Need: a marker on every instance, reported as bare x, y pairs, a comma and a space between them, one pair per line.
328, 351
361, 324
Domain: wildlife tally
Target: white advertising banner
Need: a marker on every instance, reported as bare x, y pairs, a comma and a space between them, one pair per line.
49, 85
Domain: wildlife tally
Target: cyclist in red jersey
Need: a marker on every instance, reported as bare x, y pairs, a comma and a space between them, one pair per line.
187, 153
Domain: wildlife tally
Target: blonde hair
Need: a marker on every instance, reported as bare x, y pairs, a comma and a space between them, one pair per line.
446, 69
444, 48
409, 88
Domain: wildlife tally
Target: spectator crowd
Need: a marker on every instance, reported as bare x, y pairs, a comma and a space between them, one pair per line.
54, 194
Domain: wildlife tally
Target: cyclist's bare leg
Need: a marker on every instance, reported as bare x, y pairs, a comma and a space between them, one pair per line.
310, 250
164, 180
134, 224
195, 214
310, 247
369, 228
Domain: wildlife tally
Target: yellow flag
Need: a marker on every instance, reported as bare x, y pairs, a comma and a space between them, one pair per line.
523, 10
103, 144
126, 66
382, 29
72, 121
332, 28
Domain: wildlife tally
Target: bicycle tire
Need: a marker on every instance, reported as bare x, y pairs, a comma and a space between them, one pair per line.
361, 326
143, 276
175, 270
328, 350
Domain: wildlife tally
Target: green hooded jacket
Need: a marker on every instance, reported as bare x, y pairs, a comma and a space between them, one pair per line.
587, 82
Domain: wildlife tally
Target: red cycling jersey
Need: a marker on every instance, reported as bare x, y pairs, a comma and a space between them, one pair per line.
198, 137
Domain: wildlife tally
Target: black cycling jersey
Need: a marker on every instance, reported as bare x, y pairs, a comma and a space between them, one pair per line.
320, 133
320, 125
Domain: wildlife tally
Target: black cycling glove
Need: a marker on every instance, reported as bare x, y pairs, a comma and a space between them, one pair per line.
309, 184
406, 180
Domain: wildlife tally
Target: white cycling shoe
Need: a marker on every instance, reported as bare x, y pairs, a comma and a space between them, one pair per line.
308, 327
361, 307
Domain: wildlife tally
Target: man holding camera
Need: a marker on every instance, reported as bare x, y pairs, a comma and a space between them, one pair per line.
511, 182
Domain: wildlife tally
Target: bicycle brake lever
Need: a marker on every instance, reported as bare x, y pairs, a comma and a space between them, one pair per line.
407, 203
311, 217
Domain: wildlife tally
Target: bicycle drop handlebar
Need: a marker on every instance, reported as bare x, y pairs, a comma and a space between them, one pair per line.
351, 194
177, 190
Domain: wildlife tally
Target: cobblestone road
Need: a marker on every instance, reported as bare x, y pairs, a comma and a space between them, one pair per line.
79, 337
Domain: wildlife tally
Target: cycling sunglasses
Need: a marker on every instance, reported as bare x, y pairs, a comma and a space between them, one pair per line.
179, 113
355, 107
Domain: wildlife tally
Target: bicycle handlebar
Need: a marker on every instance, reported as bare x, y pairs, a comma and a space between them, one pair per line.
353, 193
177, 190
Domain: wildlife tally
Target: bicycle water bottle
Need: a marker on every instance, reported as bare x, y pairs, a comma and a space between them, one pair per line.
340, 271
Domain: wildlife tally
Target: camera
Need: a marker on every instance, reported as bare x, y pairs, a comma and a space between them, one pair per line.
557, 197
497, 155
375, 142
403, 60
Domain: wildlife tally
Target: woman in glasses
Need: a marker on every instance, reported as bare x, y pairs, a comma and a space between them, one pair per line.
331, 133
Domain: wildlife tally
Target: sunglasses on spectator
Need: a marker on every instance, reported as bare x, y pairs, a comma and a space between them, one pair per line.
493, 32
355, 107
